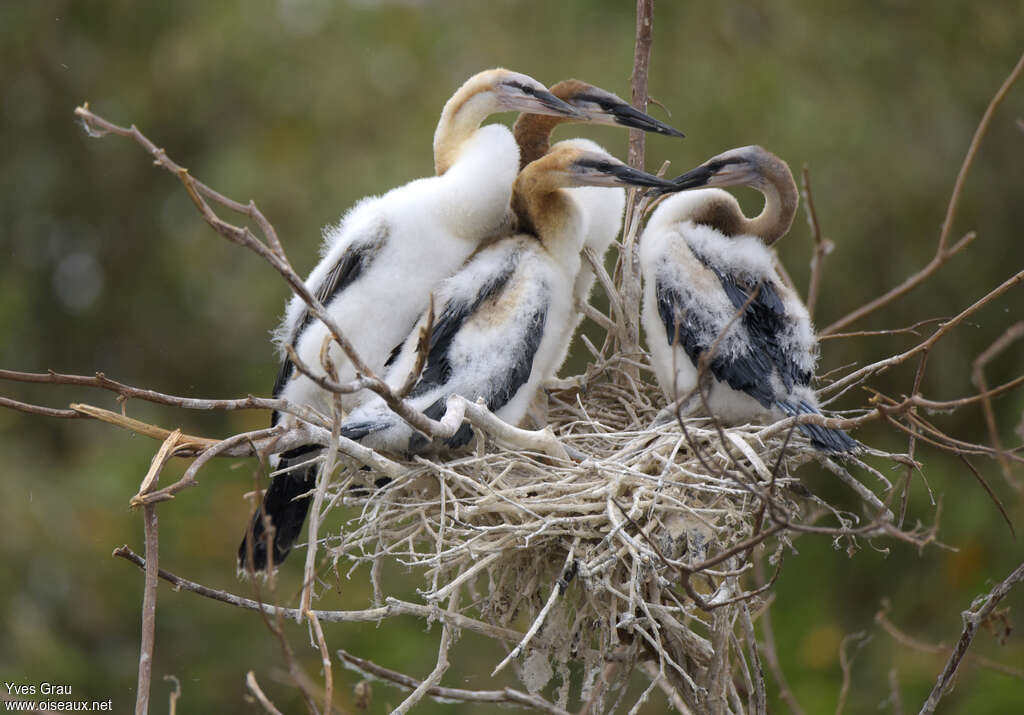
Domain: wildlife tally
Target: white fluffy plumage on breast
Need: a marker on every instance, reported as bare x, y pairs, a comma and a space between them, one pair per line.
419, 234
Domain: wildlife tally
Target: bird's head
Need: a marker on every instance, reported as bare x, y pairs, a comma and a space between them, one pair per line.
513, 91
744, 166
569, 165
603, 107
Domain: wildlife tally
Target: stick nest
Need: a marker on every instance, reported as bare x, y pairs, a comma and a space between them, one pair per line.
628, 553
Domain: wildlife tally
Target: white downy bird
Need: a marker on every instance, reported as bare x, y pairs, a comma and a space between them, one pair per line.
711, 291
380, 263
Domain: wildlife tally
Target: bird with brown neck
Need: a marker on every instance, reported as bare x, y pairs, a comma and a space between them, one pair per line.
713, 297
746, 166
533, 131
602, 207
501, 322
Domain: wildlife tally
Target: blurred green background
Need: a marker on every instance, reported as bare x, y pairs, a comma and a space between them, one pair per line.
307, 105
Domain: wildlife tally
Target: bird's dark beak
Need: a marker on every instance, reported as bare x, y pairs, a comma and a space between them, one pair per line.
627, 116
547, 103
635, 177
694, 178
608, 173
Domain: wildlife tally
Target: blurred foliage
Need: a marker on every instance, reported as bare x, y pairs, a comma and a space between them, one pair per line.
307, 105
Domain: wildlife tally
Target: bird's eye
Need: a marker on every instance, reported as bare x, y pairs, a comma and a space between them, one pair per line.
524, 88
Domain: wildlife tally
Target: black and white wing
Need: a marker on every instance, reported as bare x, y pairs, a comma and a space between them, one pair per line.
490, 326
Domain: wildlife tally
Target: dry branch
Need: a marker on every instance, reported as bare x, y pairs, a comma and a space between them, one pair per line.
943, 251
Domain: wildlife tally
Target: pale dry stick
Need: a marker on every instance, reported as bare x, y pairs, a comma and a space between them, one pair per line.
614, 301
759, 697
261, 698
629, 257
972, 618
507, 696
125, 392
845, 661
152, 541
912, 329
477, 414
1014, 332
393, 607
325, 661
313, 530
943, 251
139, 427
652, 672
152, 537
188, 479
241, 236
96, 126
556, 591
822, 246
432, 680
31, 409
457, 409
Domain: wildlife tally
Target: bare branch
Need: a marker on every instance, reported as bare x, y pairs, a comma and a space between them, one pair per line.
943, 251
1013, 333
508, 695
822, 246
972, 618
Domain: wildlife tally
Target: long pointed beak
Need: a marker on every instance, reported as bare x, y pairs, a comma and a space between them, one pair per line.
628, 116
694, 178
609, 174
547, 103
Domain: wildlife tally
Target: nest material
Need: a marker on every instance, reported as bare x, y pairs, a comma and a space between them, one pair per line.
606, 558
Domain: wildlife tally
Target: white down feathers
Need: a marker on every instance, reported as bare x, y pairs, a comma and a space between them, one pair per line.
680, 254
411, 238
494, 344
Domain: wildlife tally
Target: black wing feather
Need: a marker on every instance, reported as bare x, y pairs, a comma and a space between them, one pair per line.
438, 369
286, 512
344, 273
765, 321
748, 372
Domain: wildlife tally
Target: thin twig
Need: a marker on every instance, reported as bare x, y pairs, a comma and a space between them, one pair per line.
1014, 332
508, 695
822, 246
943, 251
972, 618
261, 698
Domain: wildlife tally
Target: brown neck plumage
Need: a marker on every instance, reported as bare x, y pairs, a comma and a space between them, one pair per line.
533, 135
780, 201
722, 212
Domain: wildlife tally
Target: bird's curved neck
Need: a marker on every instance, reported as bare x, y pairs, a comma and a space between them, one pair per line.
780, 202
544, 209
533, 135
462, 115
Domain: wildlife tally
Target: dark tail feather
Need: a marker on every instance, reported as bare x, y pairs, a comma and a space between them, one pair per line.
286, 513
825, 439
357, 430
